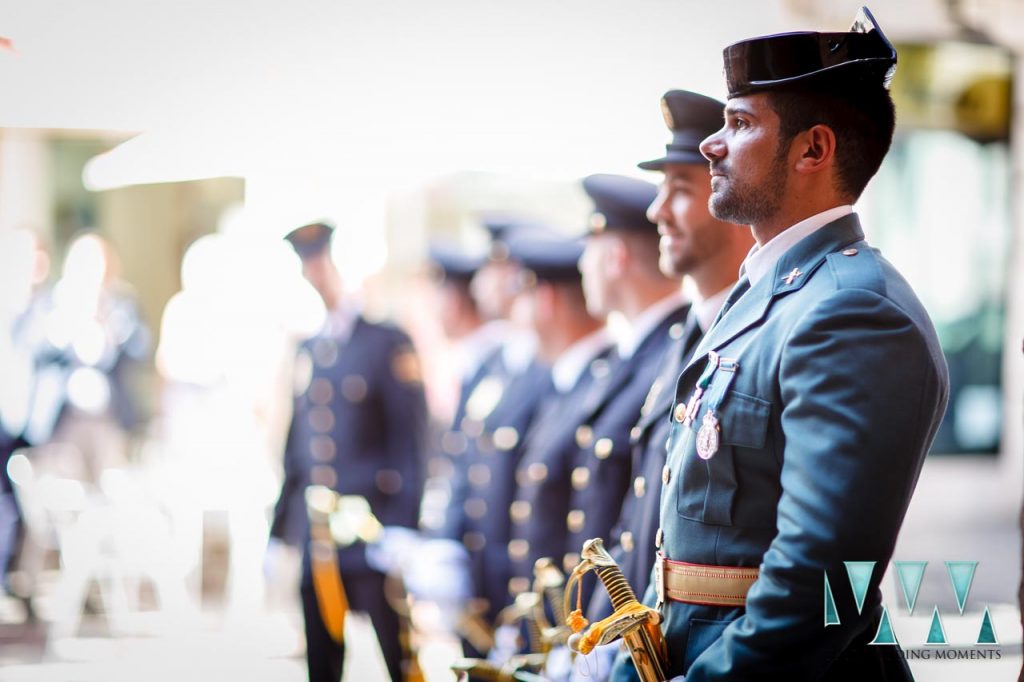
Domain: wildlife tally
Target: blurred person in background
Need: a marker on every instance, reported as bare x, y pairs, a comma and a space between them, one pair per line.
620, 276
89, 341
501, 406
223, 355
358, 428
462, 565
693, 244
476, 349
24, 266
577, 345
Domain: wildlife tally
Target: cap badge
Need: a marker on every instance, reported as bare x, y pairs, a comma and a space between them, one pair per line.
666, 113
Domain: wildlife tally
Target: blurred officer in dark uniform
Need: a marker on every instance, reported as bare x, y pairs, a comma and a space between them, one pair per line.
358, 428
620, 275
708, 251
801, 423
478, 343
577, 345
477, 354
486, 441
462, 563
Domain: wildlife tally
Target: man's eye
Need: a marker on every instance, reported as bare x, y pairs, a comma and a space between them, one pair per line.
739, 123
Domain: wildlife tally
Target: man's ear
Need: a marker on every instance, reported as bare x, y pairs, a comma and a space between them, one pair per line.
618, 256
817, 149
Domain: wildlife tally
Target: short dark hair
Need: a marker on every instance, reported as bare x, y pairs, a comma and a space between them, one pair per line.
862, 117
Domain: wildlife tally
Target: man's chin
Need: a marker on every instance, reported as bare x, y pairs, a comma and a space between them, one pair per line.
671, 266
719, 207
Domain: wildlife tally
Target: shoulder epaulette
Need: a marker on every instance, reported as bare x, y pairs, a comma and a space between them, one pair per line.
857, 267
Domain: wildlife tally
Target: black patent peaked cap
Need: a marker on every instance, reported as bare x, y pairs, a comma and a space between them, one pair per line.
861, 54
310, 240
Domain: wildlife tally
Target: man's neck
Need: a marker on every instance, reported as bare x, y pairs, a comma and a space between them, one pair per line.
556, 341
712, 277
798, 209
466, 328
634, 302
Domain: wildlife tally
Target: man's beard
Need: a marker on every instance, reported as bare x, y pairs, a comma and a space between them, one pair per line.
745, 204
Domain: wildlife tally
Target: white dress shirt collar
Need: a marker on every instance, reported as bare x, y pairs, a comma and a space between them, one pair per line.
575, 359
340, 322
706, 309
519, 349
761, 260
474, 348
646, 322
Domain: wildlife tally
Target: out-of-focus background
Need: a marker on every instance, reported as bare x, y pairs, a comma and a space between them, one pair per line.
153, 154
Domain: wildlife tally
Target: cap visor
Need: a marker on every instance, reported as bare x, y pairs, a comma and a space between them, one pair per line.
673, 157
653, 164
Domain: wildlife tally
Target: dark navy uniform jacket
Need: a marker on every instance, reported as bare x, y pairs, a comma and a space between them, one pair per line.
451, 444
540, 511
839, 386
632, 537
358, 427
602, 462
486, 450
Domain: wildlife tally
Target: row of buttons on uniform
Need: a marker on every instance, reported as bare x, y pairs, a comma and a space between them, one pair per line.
455, 443
388, 481
321, 390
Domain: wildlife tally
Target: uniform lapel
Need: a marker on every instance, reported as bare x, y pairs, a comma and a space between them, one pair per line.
801, 260
660, 398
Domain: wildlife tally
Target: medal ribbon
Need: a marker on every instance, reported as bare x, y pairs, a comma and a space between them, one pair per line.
730, 366
708, 435
693, 406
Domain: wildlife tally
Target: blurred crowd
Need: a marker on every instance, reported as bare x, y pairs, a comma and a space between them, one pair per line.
322, 439
480, 459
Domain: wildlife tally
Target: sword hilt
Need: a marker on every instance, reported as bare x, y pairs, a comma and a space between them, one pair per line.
636, 624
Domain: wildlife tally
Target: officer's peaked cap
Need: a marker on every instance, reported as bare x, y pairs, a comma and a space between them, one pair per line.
861, 55
620, 203
310, 240
691, 117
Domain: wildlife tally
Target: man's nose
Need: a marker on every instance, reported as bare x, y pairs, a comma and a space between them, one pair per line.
713, 146
654, 209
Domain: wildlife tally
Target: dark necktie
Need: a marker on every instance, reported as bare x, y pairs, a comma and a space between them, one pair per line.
741, 288
692, 334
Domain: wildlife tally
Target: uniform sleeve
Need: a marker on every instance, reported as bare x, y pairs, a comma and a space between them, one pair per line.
454, 526
290, 486
862, 393
405, 416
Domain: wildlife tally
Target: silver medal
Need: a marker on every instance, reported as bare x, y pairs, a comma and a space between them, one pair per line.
707, 436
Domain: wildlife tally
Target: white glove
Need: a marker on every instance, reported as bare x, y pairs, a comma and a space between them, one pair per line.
274, 557
439, 572
597, 665
558, 666
395, 550
506, 644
